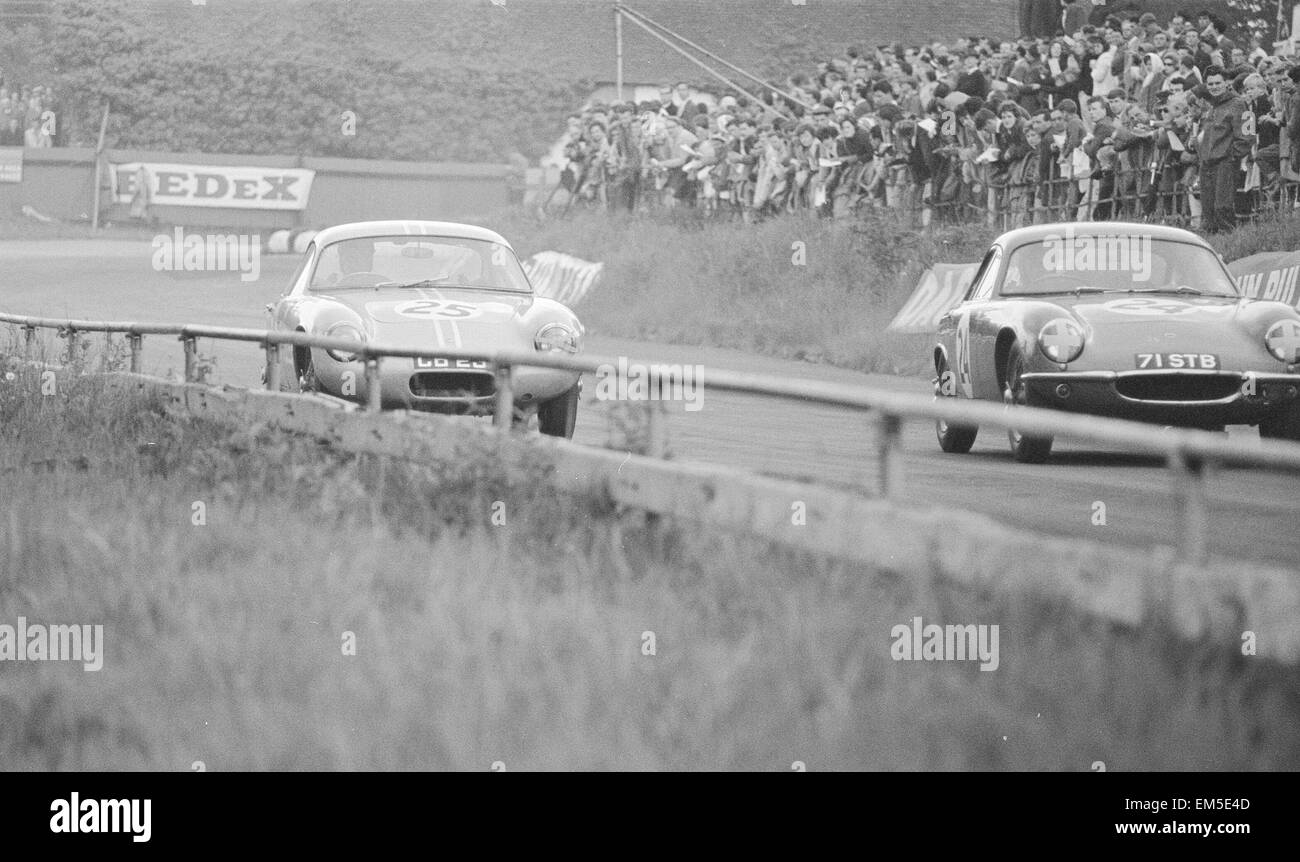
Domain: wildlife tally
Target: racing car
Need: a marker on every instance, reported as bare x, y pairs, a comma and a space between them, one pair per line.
1133, 321
427, 284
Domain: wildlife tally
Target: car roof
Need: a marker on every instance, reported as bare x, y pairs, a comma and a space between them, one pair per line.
394, 227
1039, 232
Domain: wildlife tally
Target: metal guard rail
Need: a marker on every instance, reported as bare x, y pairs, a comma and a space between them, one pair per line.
1187, 453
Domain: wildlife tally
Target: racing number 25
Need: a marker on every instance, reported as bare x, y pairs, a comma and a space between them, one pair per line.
437, 308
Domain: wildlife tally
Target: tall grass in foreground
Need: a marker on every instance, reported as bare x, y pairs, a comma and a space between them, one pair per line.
679, 277
523, 643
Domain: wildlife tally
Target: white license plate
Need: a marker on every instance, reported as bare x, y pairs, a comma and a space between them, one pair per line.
1198, 361
439, 362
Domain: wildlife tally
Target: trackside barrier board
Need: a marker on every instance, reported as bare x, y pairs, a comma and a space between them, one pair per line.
940, 288
562, 277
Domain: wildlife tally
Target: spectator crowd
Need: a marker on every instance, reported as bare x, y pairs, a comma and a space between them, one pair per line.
28, 116
1125, 117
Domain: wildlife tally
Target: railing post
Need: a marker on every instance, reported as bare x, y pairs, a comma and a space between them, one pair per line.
504, 412
29, 342
657, 430
273, 366
72, 345
136, 340
374, 391
191, 356
889, 448
1192, 513
108, 350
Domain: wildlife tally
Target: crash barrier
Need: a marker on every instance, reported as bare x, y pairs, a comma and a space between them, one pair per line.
962, 549
1189, 455
289, 241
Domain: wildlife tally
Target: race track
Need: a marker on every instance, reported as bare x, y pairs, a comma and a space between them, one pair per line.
1253, 513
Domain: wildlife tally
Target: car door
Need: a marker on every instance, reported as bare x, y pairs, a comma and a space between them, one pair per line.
964, 329
284, 311
982, 330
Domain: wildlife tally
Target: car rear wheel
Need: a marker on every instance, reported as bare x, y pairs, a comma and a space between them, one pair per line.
1282, 425
1026, 449
952, 438
557, 417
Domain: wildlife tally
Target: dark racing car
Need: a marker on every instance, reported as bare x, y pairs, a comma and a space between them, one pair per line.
1132, 321
427, 285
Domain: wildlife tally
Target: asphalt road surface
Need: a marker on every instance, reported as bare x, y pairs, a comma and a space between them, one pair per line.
1253, 513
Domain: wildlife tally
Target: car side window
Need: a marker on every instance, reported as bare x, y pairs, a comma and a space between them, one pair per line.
983, 286
983, 280
302, 267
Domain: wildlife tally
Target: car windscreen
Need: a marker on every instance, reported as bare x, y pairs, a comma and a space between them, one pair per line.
418, 261
1095, 263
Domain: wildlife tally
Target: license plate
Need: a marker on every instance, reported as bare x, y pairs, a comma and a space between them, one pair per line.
439, 362
1198, 361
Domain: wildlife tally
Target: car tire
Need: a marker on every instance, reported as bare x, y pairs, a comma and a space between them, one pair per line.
1026, 449
557, 417
957, 439
1282, 425
307, 380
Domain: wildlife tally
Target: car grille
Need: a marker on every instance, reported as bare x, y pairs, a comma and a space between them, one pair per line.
1178, 387
451, 384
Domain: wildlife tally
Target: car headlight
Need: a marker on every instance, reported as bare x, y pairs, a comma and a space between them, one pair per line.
344, 330
556, 337
1283, 340
1061, 340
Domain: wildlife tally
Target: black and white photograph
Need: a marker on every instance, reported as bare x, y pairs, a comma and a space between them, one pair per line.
874, 386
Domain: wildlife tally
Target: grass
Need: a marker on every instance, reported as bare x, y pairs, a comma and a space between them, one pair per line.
523, 643
680, 278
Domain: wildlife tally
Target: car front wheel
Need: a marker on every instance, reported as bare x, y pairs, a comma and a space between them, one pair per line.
952, 438
1026, 449
557, 417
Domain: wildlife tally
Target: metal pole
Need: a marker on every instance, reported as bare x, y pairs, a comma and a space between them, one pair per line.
679, 37
72, 345
374, 391
618, 53
191, 357
705, 66
273, 367
1191, 508
504, 412
29, 342
889, 449
136, 340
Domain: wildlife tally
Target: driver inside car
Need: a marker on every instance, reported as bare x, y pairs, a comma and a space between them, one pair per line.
355, 257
